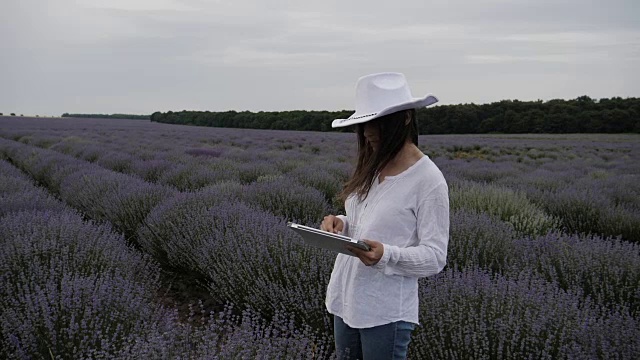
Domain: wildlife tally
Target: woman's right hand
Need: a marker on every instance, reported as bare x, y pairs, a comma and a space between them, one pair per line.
332, 223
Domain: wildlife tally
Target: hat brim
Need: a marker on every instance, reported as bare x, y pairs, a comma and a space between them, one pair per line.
358, 118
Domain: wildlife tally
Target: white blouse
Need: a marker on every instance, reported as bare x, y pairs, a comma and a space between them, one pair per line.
409, 214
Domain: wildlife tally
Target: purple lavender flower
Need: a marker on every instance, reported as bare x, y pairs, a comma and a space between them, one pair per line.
473, 314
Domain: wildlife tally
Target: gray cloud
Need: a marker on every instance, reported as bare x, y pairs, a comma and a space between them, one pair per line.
139, 56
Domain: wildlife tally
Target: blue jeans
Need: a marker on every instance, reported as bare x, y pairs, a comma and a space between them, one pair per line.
384, 342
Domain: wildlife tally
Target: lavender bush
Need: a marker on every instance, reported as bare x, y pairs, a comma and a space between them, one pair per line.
10, 171
228, 336
607, 270
171, 220
113, 197
194, 176
45, 167
70, 145
18, 193
64, 239
480, 241
64, 297
69, 316
151, 170
590, 211
73, 289
293, 276
115, 161
323, 177
70, 287
506, 204
102, 194
90, 152
254, 170
289, 199
473, 315
264, 266
542, 260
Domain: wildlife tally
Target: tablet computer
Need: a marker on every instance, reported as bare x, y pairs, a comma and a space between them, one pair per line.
327, 240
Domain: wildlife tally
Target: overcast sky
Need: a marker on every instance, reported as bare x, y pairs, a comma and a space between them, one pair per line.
141, 56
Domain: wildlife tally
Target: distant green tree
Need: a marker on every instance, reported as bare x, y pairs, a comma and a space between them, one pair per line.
511, 121
582, 114
617, 121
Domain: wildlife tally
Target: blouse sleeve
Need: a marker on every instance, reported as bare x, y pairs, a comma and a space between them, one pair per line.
345, 229
430, 255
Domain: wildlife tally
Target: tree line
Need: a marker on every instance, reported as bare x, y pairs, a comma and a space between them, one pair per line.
580, 115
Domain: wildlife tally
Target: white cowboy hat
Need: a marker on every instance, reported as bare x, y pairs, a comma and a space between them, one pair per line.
382, 94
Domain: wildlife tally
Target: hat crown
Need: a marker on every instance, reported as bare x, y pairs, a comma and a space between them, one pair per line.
377, 92
381, 94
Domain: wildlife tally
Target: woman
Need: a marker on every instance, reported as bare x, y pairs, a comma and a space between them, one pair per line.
397, 202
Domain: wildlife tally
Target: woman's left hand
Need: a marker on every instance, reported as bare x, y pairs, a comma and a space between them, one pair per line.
372, 256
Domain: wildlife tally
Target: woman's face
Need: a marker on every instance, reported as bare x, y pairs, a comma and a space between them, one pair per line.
372, 134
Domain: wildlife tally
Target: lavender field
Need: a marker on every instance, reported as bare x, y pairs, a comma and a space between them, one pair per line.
130, 239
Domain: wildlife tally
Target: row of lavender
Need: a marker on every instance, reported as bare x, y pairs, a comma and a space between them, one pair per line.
287, 199
206, 233
174, 161
71, 288
498, 255
583, 186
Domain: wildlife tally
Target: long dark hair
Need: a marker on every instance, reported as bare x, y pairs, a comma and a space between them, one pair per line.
394, 133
